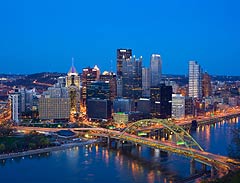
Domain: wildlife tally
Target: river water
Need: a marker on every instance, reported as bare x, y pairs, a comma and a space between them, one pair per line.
98, 164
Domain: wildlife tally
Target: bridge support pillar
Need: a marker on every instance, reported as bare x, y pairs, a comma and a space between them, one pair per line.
119, 144
204, 167
192, 166
108, 141
163, 154
212, 171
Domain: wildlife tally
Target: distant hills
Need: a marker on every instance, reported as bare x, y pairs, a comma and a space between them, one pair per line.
48, 78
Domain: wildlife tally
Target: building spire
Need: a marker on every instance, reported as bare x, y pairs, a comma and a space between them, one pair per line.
72, 62
72, 69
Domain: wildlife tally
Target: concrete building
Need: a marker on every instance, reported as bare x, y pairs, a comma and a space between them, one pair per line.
178, 106
120, 118
54, 108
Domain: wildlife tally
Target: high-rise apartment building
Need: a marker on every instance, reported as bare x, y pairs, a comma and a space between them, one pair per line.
21, 101
195, 80
15, 103
155, 69
122, 54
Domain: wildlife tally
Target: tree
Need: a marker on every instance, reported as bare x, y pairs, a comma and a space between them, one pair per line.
2, 147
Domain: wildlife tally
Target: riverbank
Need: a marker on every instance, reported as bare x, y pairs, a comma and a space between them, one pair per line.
45, 150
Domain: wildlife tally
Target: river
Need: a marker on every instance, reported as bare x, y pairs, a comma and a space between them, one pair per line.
98, 164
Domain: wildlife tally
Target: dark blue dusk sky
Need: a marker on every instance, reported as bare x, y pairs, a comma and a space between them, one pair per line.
43, 35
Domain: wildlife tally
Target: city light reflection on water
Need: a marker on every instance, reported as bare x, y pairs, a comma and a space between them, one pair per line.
96, 163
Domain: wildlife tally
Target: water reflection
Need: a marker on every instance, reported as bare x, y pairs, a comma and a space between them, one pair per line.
96, 163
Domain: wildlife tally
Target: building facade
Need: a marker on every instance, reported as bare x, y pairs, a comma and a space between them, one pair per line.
146, 82
195, 80
155, 69
161, 101
178, 106
132, 78
99, 109
54, 108
206, 85
112, 79
122, 54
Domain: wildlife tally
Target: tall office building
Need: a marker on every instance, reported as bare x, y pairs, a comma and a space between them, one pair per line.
189, 106
146, 82
88, 75
119, 87
206, 85
72, 78
155, 69
195, 80
112, 79
122, 54
99, 109
98, 89
98, 72
132, 78
73, 85
161, 101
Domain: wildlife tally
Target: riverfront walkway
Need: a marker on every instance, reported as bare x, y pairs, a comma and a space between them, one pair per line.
45, 150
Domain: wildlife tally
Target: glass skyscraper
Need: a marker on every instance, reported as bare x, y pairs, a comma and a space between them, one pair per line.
156, 69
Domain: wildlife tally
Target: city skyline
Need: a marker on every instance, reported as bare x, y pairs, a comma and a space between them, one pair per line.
44, 36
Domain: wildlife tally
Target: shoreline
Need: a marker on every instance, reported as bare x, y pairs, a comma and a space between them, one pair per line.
45, 150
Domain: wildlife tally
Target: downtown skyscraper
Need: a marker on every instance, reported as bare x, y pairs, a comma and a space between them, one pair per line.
122, 54
195, 80
155, 69
132, 78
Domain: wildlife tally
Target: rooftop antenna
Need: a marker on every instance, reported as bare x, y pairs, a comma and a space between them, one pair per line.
111, 66
72, 61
